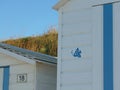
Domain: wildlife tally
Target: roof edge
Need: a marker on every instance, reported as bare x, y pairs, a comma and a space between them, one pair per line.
29, 54
60, 4
16, 56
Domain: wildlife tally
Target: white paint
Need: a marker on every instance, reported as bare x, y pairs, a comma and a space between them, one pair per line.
59, 50
75, 73
41, 77
72, 31
81, 26
21, 69
85, 3
77, 66
99, 2
84, 38
16, 56
116, 46
77, 87
80, 78
6, 60
46, 77
1, 78
97, 48
18, 67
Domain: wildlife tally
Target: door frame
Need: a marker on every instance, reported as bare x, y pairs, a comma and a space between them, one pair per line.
6, 70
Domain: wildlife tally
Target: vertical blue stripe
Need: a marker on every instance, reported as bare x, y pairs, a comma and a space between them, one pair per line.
6, 79
108, 46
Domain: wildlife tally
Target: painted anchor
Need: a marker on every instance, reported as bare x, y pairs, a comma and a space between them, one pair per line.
77, 53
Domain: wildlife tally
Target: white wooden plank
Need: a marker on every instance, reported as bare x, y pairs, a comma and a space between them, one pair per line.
116, 12
1, 78
98, 48
73, 5
46, 77
16, 56
59, 51
8, 60
22, 69
78, 40
77, 17
77, 87
77, 28
22, 86
77, 66
76, 78
77, 4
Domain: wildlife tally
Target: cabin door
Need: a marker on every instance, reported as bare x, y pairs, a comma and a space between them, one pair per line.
106, 33
4, 78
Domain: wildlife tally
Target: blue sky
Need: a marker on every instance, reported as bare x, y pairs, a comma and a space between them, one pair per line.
21, 18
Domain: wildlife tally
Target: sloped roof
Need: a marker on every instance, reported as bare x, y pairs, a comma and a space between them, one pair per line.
60, 4
29, 54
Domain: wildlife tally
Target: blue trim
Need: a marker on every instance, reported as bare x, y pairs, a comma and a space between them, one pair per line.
108, 46
3, 66
6, 78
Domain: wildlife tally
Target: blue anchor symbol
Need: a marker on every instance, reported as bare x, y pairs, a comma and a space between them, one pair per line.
77, 53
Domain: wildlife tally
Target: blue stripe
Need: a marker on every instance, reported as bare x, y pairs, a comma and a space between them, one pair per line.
6, 79
108, 46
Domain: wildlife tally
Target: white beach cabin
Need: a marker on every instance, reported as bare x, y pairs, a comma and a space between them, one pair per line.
89, 45
21, 69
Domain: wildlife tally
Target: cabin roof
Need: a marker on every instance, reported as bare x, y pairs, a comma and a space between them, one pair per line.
60, 4
29, 54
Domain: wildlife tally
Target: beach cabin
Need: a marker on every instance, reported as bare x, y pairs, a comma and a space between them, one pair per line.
89, 45
21, 69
